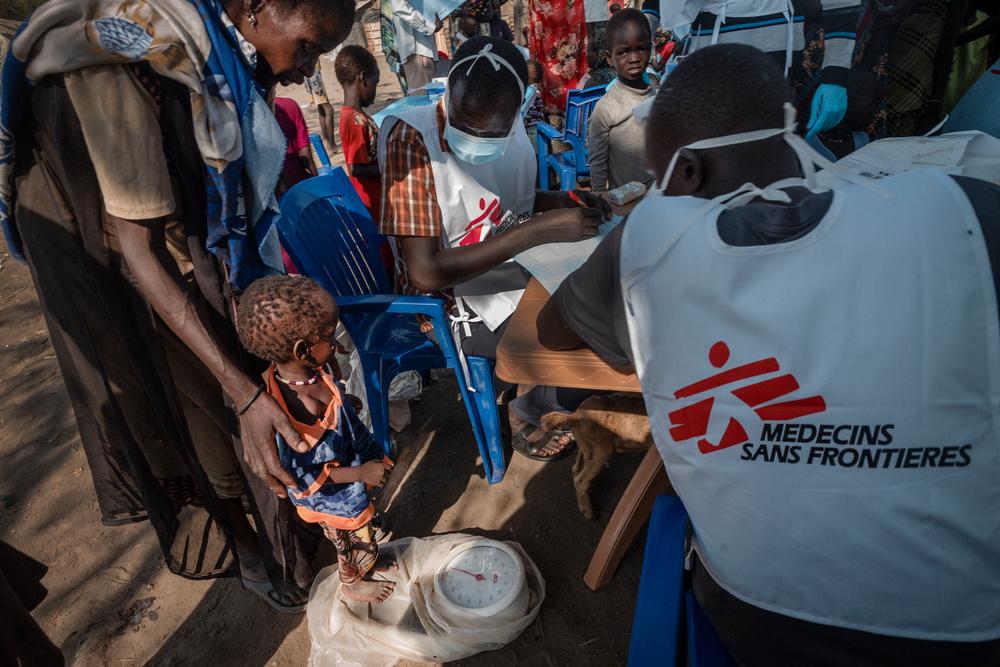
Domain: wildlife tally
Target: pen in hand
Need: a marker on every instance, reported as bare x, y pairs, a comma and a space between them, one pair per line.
577, 199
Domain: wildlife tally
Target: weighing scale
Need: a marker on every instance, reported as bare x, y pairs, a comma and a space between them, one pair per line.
484, 578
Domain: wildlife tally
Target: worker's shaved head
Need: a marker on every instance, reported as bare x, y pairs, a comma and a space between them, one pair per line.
718, 90
482, 87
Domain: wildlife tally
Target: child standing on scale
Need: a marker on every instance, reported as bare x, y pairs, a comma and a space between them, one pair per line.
290, 321
616, 139
358, 74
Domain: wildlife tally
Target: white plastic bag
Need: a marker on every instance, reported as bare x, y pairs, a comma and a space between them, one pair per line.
409, 625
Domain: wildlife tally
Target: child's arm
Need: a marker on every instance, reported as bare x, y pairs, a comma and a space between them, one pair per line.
598, 134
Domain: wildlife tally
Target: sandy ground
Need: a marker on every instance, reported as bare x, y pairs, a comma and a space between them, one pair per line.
112, 602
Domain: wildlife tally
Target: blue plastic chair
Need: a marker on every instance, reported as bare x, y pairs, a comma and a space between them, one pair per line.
331, 237
663, 598
571, 164
324, 160
977, 110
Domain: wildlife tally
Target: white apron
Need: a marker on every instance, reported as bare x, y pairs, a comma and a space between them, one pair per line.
827, 407
474, 201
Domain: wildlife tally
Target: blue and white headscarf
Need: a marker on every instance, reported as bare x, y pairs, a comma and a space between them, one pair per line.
192, 42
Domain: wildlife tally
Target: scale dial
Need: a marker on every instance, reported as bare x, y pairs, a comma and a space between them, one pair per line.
482, 579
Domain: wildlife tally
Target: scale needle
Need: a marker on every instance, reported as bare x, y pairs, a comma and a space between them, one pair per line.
478, 577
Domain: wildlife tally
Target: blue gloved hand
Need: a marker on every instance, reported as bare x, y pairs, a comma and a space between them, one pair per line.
828, 108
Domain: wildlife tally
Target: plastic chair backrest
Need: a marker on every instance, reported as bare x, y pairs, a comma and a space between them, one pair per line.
579, 105
331, 237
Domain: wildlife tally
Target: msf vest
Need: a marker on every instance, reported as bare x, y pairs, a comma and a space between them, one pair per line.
827, 408
475, 200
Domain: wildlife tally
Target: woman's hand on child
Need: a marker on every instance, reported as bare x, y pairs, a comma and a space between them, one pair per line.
257, 428
374, 473
566, 225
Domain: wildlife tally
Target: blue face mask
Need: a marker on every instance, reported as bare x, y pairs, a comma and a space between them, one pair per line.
475, 150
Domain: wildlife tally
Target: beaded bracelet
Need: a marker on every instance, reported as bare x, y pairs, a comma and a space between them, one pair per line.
256, 395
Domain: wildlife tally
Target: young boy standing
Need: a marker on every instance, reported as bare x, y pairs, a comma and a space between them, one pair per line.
616, 139
358, 74
290, 321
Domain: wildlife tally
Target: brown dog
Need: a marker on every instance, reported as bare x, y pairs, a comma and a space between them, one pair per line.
601, 426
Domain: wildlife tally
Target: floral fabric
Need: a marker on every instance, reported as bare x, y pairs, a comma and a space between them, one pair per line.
557, 38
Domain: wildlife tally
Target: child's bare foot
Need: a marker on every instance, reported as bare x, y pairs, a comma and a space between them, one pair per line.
369, 591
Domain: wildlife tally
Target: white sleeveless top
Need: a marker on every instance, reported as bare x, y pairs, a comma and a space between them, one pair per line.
827, 408
475, 200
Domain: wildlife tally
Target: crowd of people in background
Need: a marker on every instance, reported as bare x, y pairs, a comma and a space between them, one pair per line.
888, 62
141, 237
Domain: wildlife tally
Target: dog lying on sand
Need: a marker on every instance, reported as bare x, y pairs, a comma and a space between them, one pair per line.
601, 426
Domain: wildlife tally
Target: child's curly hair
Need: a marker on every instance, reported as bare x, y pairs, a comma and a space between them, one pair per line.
277, 311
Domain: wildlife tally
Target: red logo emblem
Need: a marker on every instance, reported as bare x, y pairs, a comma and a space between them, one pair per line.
691, 421
481, 228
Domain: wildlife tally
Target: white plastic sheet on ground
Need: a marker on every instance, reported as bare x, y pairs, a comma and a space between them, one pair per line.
410, 624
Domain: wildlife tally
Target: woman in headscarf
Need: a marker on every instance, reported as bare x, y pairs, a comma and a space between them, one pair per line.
138, 163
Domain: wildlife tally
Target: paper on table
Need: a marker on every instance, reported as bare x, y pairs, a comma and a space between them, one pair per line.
552, 262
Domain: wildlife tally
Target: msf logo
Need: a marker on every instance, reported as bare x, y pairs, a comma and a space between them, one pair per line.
692, 421
479, 230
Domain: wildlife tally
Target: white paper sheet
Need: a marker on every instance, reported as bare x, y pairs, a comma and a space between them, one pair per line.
552, 262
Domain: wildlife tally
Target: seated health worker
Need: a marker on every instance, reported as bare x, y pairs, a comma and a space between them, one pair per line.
459, 201
820, 369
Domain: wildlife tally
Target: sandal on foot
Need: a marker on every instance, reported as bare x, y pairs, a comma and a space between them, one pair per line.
519, 442
265, 591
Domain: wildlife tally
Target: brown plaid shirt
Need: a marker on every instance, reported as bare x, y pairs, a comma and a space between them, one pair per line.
409, 200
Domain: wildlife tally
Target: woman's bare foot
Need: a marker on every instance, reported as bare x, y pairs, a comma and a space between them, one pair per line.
285, 598
369, 591
288, 594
